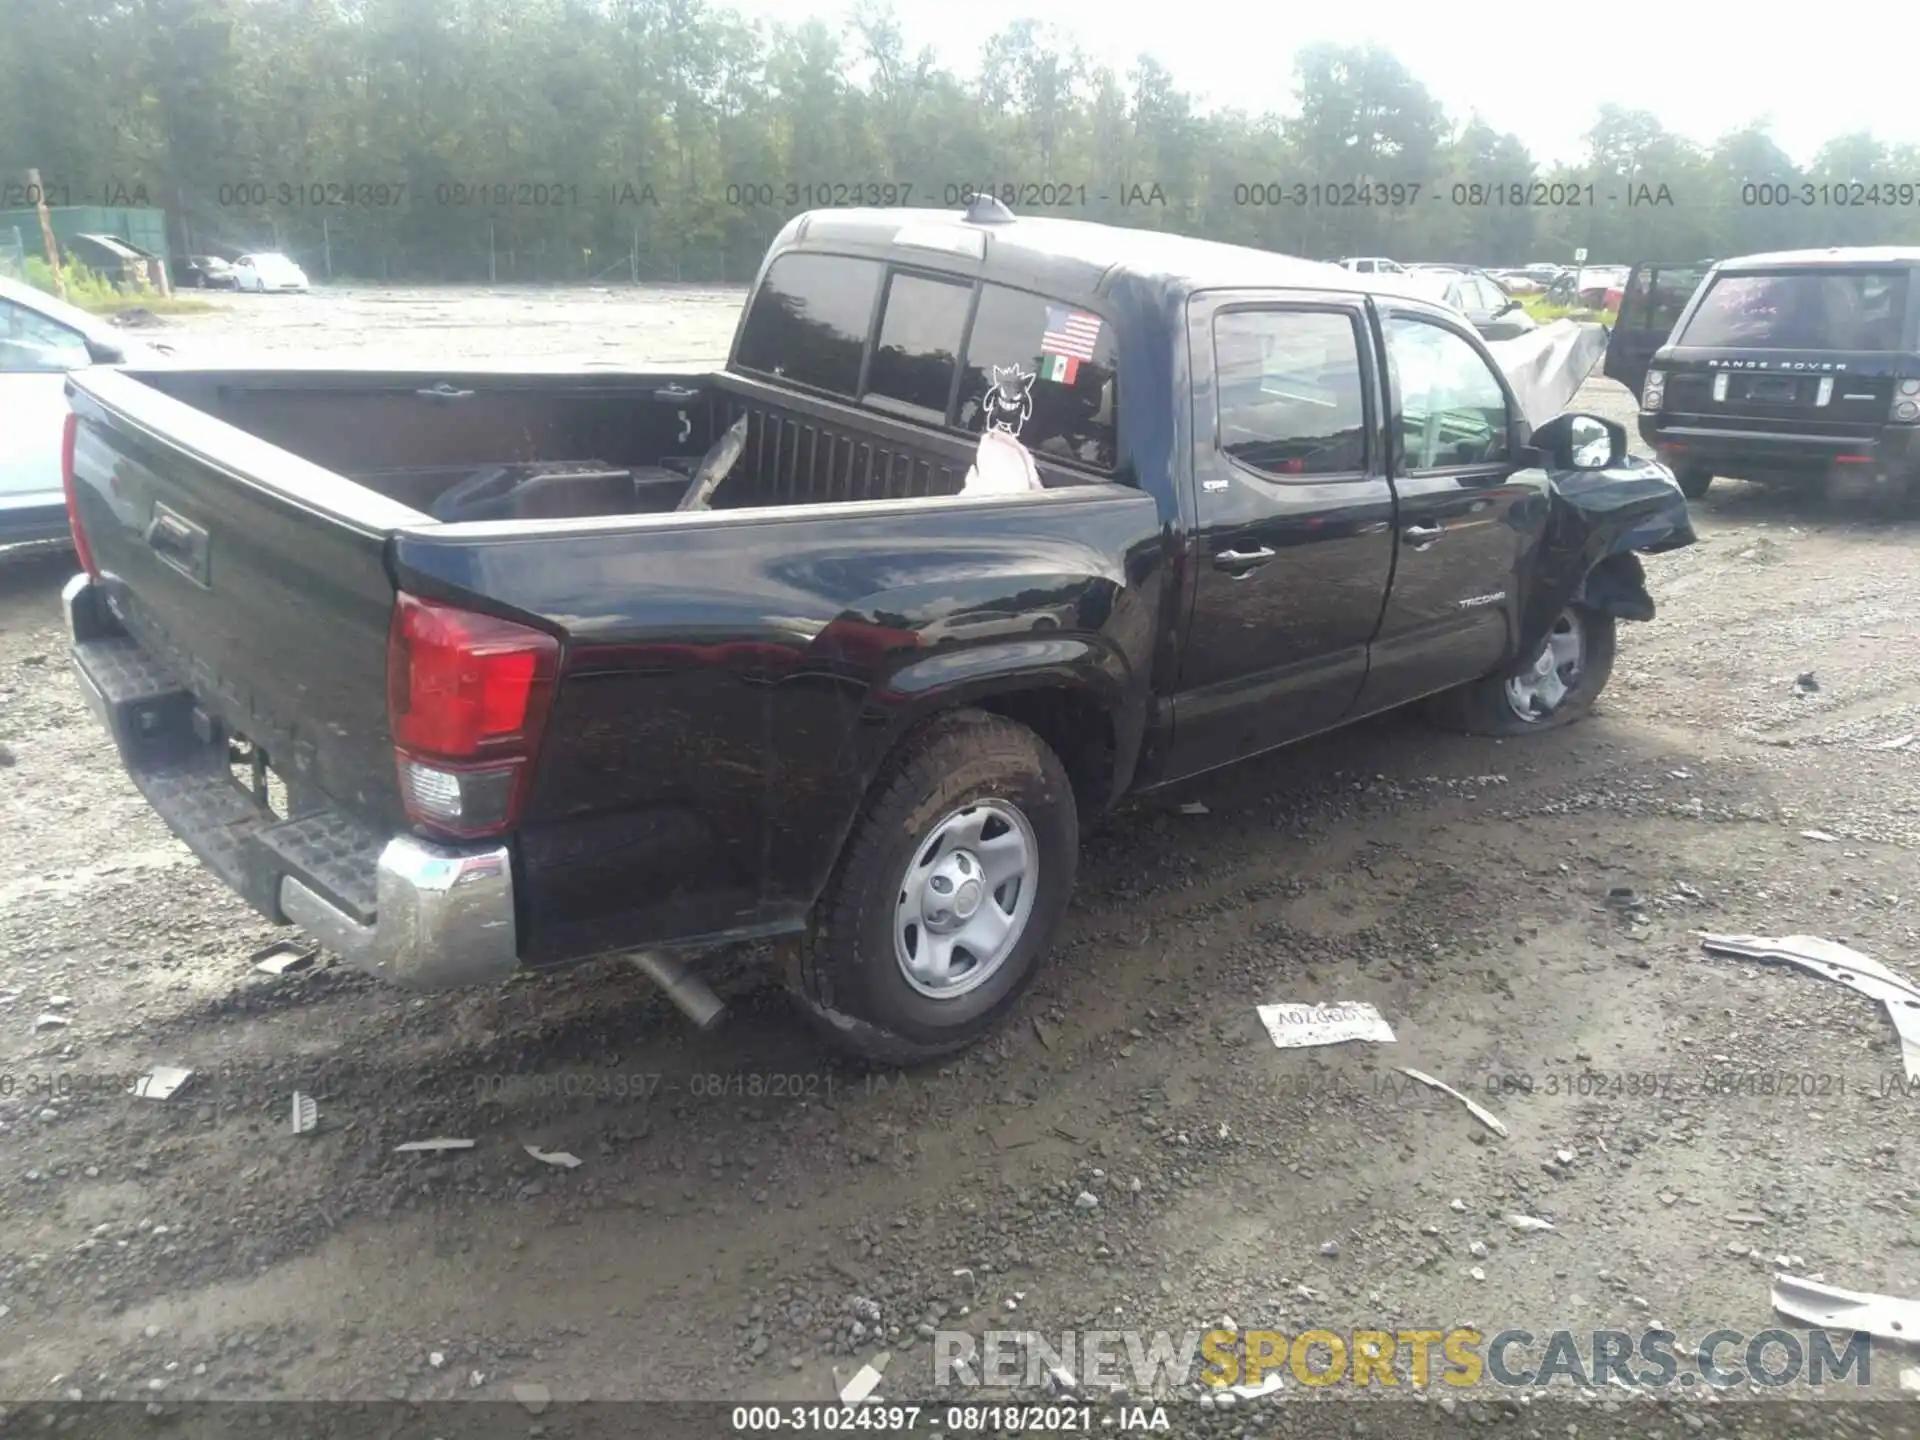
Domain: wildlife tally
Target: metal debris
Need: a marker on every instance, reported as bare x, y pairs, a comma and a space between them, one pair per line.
306, 1114
1195, 807
1826, 1307
866, 1381
159, 1082
284, 955
1833, 961
419, 1147
1479, 1112
1297, 1026
554, 1157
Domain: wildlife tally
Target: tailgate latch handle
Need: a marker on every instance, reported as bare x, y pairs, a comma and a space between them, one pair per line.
443, 391
181, 544
675, 394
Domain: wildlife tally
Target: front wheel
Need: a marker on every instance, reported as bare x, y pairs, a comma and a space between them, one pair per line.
1557, 686
946, 898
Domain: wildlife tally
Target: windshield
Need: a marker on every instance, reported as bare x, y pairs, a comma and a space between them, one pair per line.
1862, 310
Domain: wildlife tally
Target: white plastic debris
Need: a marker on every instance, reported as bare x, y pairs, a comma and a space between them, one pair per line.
1898, 742
554, 1157
1820, 835
306, 1113
866, 1380
421, 1147
159, 1082
1479, 1112
1195, 807
1833, 961
1528, 1224
1297, 1026
1269, 1383
51, 1022
1826, 1307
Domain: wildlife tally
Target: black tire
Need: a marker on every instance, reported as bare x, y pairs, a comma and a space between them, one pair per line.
1695, 481
1482, 708
844, 971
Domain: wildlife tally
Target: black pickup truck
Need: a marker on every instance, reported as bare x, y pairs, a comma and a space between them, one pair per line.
468, 672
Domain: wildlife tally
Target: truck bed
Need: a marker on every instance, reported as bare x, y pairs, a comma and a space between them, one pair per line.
503, 446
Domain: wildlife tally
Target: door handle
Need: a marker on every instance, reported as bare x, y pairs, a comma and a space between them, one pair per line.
1241, 559
675, 394
443, 391
1421, 536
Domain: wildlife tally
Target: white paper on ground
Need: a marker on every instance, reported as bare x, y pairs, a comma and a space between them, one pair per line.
159, 1082
1295, 1026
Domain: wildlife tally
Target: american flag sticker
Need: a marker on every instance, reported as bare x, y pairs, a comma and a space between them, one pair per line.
1071, 333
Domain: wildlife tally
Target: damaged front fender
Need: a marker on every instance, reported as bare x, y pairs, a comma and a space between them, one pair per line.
1599, 523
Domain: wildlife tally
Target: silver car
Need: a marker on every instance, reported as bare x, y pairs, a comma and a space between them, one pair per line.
41, 339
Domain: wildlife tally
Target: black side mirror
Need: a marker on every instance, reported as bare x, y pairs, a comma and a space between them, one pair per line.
1579, 441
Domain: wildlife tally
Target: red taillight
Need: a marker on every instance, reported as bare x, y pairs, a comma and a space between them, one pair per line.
80, 546
467, 698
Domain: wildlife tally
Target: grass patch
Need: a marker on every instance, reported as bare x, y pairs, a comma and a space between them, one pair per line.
94, 293
1546, 312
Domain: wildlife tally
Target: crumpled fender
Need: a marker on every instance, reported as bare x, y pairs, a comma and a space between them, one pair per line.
1598, 524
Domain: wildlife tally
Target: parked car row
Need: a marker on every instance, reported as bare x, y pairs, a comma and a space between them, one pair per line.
259, 272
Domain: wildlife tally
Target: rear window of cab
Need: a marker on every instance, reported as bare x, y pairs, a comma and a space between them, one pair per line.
940, 350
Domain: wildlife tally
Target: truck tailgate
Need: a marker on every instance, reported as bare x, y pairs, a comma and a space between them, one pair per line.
253, 592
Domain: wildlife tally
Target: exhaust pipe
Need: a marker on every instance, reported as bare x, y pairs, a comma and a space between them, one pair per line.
693, 996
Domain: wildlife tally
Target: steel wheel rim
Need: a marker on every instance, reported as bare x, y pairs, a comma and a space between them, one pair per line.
964, 899
1543, 686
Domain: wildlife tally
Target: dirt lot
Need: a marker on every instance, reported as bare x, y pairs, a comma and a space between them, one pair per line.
751, 1214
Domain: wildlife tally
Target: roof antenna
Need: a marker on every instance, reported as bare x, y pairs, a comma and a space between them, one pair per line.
986, 210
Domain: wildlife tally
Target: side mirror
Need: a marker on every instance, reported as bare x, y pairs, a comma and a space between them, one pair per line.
1579, 441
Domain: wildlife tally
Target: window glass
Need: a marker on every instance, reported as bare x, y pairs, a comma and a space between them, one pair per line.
808, 324
1668, 291
1050, 368
1803, 310
920, 333
1289, 391
1452, 409
30, 341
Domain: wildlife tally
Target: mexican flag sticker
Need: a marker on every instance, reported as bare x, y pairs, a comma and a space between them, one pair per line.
1059, 368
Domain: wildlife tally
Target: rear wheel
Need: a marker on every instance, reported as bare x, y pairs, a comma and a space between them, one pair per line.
1556, 687
1695, 481
947, 895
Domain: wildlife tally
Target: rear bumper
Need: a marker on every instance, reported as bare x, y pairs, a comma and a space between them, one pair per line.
1682, 442
421, 915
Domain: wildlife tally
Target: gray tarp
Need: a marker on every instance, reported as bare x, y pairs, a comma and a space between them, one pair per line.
1546, 366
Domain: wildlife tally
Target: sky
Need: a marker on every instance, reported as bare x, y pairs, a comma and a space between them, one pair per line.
1539, 71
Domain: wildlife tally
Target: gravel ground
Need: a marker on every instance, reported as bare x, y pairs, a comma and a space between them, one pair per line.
788, 1215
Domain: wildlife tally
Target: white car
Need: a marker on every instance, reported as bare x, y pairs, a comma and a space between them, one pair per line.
41, 339
268, 270
1372, 265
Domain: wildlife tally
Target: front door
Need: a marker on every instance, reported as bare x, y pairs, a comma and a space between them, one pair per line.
1294, 539
1650, 304
35, 355
1467, 515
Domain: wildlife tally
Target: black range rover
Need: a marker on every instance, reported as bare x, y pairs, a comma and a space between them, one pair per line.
1795, 368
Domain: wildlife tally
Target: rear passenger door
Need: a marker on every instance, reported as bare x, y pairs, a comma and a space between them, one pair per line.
1467, 514
1293, 537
